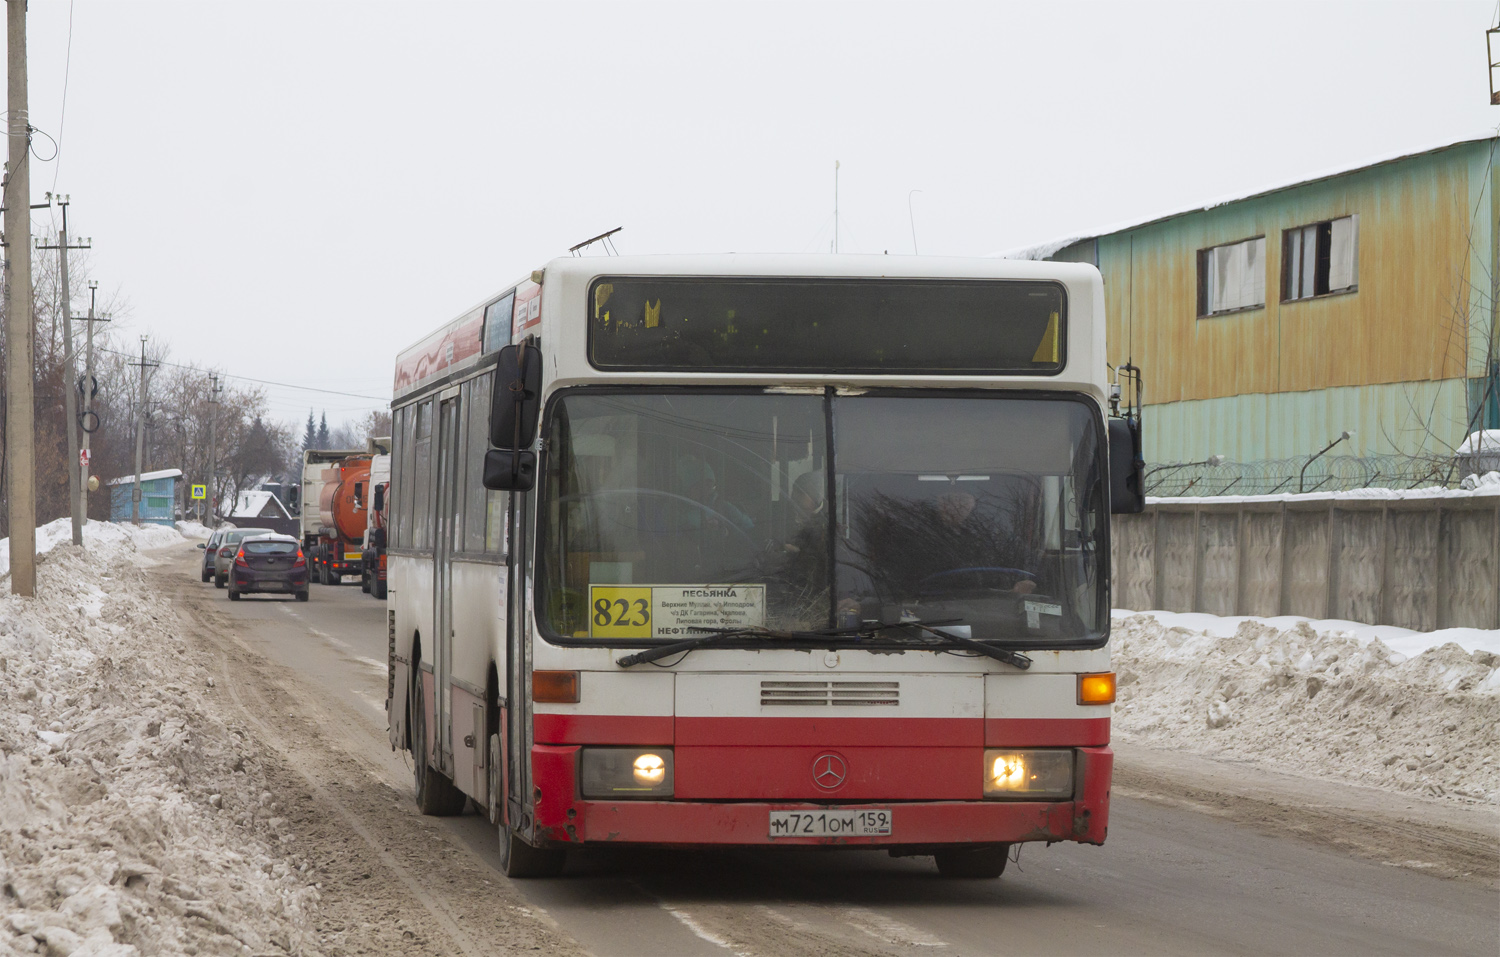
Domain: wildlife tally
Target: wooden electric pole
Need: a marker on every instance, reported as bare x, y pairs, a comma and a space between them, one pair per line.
140, 436
20, 408
88, 419
70, 400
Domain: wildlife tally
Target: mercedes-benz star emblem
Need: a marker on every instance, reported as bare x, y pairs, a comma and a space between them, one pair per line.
829, 771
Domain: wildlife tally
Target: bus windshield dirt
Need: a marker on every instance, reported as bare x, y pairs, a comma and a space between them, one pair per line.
666, 515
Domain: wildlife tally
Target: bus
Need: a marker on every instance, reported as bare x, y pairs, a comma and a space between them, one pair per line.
695, 551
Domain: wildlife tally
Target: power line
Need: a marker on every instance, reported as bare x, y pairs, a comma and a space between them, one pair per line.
245, 378
67, 67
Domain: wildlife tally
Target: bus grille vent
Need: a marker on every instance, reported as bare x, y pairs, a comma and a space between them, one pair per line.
835, 694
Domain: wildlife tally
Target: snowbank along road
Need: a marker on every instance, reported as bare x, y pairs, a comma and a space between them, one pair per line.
183, 775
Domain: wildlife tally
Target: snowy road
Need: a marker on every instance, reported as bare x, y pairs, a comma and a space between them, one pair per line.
1185, 874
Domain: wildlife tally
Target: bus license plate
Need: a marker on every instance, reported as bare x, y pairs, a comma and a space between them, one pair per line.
867, 822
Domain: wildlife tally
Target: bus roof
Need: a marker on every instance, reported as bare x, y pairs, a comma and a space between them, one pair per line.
461, 343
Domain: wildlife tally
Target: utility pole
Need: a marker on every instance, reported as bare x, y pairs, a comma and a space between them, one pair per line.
86, 391
214, 388
140, 436
20, 410
70, 401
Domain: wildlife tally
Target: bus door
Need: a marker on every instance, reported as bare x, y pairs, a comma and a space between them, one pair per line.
442, 563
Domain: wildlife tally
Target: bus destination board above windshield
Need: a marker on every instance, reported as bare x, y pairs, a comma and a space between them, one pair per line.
892, 326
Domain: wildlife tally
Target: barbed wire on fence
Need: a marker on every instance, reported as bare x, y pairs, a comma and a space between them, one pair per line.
1327, 474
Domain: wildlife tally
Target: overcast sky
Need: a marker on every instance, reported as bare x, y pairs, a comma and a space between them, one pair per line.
296, 191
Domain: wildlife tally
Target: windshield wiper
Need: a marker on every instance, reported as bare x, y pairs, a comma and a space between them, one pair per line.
1004, 655
717, 634
1014, 658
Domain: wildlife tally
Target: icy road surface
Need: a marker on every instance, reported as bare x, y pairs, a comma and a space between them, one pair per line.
1203, 857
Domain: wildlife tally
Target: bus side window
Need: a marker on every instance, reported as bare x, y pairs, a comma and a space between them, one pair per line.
398, 478
422, 484
476, 510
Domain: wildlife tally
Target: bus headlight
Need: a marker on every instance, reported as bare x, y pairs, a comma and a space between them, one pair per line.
1028, 775
626, 773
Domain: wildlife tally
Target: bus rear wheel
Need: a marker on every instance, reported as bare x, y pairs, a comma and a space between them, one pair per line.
436, 795
520, 860
973, 862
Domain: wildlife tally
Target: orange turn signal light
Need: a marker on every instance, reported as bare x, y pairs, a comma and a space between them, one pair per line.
1096, 689
560, 687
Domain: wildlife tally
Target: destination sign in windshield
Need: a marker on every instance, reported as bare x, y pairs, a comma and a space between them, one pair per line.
891, 326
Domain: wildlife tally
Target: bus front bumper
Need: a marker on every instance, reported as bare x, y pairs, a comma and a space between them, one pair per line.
565, 819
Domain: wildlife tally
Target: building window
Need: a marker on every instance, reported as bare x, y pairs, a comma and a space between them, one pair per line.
1320, 259
1232, 277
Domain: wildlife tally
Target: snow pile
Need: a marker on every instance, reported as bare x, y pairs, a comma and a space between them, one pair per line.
131, 822
113, 536
194, 530
1489, 480
1485, 440
1320, 698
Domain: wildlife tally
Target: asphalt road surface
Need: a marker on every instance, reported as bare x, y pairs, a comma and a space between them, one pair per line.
1195, 876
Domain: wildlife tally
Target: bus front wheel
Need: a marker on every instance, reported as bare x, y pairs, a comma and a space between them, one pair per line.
973, 862
519, 859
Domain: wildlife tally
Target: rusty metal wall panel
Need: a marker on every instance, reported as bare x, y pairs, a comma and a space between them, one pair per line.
1358, 558
1132, 540
1176, 558
1305, 590
1260, 564
1218, 563
1411, 567
1401, 324
1404, 417
1468, 570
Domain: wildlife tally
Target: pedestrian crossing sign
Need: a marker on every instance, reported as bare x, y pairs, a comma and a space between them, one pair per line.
200, 492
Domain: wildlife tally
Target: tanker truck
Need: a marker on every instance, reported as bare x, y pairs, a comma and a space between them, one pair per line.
333, 530
372, 560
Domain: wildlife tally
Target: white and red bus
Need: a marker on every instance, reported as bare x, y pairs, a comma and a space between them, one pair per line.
750, 550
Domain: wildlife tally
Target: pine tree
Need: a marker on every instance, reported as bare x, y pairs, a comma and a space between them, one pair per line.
323, 431
310, 437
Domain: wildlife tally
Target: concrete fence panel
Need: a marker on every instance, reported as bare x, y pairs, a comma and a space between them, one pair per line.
1306, 563
1260, 563
1417, 562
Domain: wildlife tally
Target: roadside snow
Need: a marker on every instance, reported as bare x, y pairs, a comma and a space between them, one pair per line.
131, 820
1379, 705
112, 535
194, 530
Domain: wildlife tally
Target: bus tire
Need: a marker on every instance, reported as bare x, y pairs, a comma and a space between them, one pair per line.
973, 862
436, 795
519, 860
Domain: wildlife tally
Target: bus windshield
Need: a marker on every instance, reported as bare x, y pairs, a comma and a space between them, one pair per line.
664, 515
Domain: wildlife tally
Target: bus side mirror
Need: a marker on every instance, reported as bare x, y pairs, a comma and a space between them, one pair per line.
1127, 479
515, 401
509, 471
380, 498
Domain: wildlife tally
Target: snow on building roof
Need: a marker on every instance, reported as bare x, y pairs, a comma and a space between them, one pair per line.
146, 477
252, 505
1052, 247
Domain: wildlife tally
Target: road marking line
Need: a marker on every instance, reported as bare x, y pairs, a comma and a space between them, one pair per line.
889, 929
701, 931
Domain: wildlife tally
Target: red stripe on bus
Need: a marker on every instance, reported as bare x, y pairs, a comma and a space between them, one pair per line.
822, 732
601, 729
1045, 732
